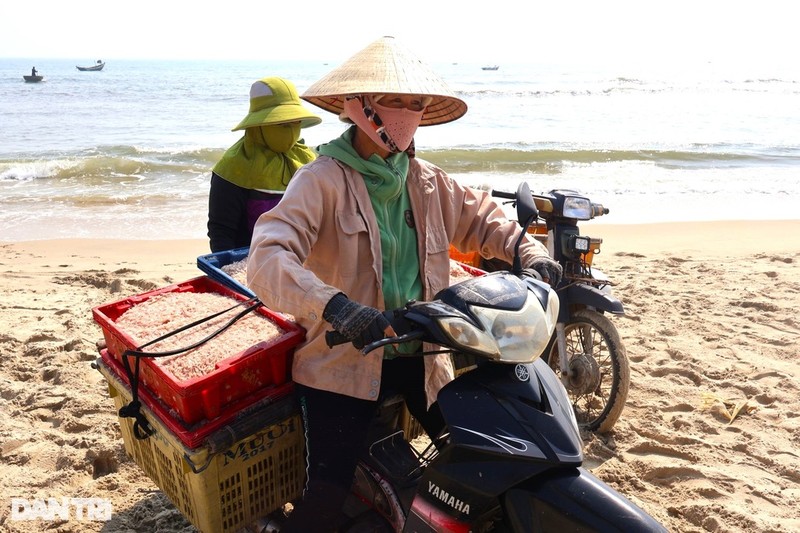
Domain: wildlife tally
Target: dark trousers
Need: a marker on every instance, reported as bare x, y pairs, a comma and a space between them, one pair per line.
336, 428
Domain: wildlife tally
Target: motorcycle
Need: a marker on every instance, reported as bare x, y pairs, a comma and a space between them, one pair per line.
586, 350
510, 457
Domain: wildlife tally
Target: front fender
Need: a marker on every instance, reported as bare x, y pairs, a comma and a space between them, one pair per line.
574, 500
590, 296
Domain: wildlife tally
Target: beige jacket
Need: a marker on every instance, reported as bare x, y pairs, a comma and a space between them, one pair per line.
322, 238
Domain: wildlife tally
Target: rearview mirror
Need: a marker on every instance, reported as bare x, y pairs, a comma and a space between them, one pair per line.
527, 213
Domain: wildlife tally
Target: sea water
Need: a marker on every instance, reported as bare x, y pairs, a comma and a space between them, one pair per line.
127, 152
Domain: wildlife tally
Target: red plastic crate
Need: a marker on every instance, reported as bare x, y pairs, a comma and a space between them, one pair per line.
472, 259
472, 270
192, 436
205, 397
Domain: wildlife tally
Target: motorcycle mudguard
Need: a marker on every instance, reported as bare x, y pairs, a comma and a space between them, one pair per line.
573, 500
519, 413
590, 296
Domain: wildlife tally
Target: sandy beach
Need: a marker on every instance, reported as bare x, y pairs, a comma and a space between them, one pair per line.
709, 439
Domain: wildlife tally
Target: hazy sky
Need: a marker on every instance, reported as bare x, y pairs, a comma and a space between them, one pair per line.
494, 31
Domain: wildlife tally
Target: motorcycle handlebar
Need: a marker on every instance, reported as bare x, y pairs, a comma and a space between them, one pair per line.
544, 205
412, 336
503, 194
334, 338
598, 210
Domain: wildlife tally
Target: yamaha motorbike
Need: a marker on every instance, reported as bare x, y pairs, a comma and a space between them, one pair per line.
510, 457
586, 350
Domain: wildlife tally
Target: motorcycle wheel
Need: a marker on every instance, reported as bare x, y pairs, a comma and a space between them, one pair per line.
598, 387
369, 523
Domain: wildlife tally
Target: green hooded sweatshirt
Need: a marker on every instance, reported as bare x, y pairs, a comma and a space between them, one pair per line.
386, 183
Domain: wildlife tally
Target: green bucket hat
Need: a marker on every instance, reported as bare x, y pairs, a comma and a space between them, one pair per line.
275, 101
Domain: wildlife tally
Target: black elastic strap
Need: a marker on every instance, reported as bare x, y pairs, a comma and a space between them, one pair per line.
141, 428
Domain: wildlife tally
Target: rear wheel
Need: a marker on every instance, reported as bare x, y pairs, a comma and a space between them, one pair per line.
598, 367
370, 522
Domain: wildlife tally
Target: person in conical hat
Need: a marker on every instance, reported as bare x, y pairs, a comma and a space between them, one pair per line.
363, 229
252, 175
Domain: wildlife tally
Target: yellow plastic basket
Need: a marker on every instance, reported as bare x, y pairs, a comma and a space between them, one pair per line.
218, 492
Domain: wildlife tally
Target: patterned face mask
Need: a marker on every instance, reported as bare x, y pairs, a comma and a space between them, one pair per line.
389, 127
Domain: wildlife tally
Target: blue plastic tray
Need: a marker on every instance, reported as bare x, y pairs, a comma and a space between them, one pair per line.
212, 265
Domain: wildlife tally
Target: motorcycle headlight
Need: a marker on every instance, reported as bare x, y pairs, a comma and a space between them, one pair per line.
577, 207
507, 336
466, 336
580, 243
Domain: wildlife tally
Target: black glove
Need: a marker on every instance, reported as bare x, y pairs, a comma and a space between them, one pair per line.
360, 324
548, 269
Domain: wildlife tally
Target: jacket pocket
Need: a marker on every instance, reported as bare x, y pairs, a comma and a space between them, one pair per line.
437, 265
354, 246
436, 240
351, 224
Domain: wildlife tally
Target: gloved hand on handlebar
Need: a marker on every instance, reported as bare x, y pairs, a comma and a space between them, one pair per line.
360, 324
547, 268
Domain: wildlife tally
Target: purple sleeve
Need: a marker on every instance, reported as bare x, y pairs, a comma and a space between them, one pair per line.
257, 206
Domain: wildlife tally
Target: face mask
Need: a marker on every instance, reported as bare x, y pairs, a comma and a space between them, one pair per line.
391, 128
400, 124
281, 138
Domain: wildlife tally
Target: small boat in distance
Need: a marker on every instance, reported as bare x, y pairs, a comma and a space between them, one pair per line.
97, 66
33, 79
490, 67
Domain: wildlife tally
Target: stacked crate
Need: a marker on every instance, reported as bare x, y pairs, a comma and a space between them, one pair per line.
225, 447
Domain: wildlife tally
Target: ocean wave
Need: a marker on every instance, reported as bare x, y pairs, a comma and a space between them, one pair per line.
550, 160
632, 86
106, 163
130, 164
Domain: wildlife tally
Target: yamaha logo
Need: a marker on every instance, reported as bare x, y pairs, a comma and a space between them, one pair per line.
522, 373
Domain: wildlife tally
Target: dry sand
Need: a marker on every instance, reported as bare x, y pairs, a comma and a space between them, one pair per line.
710, 326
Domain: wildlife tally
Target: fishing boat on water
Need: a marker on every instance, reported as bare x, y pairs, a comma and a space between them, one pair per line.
97, 66
491, 67
34, 77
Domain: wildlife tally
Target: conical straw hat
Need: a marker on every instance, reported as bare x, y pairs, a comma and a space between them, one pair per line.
385, 66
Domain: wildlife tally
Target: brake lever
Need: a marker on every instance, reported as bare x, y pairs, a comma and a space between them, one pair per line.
406, 337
